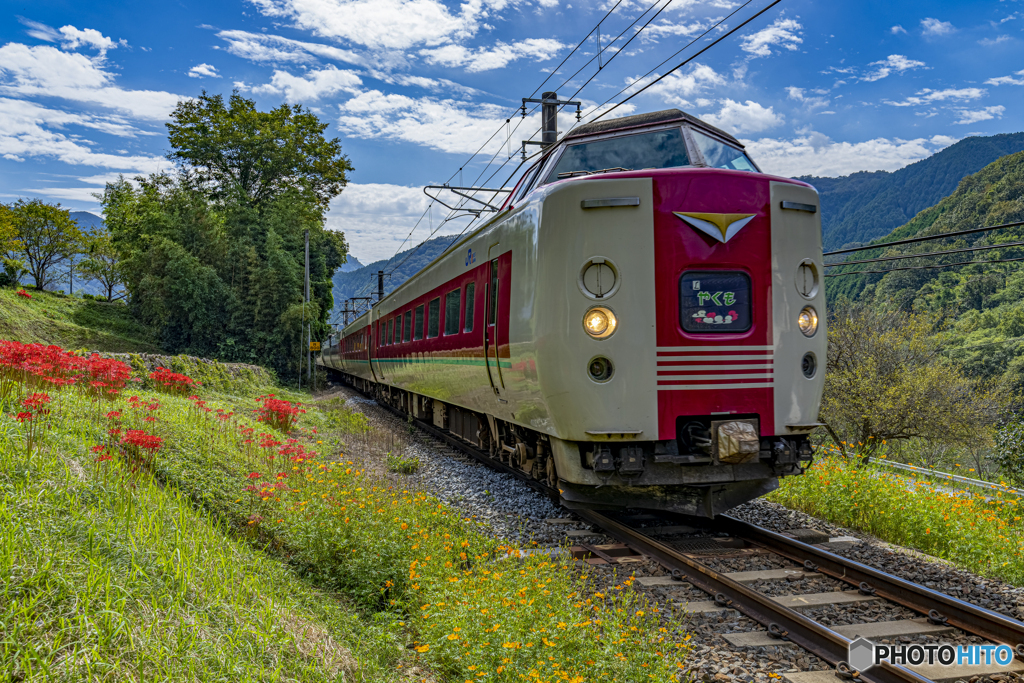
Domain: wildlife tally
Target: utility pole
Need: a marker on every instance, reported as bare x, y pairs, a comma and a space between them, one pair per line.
380, 286
309, 326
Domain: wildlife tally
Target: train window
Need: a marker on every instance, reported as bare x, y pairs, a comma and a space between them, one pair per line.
492, 314
417, 326
434, 318
407, 327
391, 333
714, 301
660, 149
451, 311
470, 291
720, 155
527, 185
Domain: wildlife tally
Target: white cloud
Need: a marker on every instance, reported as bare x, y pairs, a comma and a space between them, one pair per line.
260, 47
799, 94
46, 71
897, 29
816, 154
496, 57
784, 33
989, 42
667, 28
934, 27
26, 134
377, 217
967, 116
897, 63
379, 24
203, 71
676, 88
1006, 80
928, 96
311, 86
444, 125
750, 117
73, 38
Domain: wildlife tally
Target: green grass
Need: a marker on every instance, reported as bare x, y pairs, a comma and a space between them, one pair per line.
981, 532
73, 323
226, 559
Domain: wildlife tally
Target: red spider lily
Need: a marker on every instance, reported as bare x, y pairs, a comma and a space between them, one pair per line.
149, 418
98, 449
23, 293
278, 413
114, 432
172, 382
105, 457
108, 376
140, 439
23, 417
255, 475
114, 415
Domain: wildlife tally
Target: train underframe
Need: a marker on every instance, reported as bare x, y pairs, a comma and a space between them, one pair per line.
680, 475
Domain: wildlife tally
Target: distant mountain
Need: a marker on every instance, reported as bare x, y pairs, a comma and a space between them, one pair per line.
86, 220
351, 264
363, 281
982, 304
863, 206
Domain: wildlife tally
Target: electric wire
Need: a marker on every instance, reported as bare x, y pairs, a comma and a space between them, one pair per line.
984, 247
911, 240
946, 265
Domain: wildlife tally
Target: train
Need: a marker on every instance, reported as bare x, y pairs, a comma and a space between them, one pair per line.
640, 325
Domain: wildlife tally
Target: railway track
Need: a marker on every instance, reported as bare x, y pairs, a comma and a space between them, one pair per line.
782, 616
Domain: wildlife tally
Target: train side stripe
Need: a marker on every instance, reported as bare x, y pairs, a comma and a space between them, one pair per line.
672, 365
687, 387
670, 349
752, 375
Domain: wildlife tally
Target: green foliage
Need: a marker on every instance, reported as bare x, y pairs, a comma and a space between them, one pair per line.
866, 205
1009, 454
48, 318
46, 238
102, 262
887, 380
244, 154
401, 464
14, 270
214, 255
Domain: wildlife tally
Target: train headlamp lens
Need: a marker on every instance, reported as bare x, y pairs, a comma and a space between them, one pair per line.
599, 322
808, 321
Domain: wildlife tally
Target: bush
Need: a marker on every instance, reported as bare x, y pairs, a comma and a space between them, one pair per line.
400, 464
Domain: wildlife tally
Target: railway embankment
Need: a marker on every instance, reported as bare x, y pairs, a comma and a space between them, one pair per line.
175, 533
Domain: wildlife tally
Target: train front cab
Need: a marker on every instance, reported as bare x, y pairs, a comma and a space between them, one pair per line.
713, 386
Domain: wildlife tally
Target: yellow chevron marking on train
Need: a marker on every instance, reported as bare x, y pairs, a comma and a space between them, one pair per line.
721, 226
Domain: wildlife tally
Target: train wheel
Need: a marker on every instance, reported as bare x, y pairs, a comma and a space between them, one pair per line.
552, 474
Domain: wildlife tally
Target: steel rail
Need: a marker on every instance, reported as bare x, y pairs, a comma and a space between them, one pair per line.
979, 621
801, 630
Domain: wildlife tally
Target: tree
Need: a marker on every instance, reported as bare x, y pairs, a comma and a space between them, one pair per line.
887, 379
102, 263
242, 152
47, 237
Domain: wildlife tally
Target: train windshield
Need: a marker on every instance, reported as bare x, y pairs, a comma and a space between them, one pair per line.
720, 155
660, 149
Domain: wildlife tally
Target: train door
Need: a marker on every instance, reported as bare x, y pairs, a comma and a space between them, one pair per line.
491, 328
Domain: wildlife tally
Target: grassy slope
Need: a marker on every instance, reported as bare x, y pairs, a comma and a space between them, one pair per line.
73, 323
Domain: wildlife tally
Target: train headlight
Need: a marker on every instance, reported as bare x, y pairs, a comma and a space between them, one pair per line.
808, 321
599, 322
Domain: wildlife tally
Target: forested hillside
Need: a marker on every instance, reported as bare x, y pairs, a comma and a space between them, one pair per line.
980, 306
363, 282
864, 206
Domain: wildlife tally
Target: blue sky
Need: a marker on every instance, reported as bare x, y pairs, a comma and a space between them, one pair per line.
414, 87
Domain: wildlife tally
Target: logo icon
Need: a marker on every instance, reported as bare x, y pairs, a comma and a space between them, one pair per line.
721, 226
470, 257
861, 656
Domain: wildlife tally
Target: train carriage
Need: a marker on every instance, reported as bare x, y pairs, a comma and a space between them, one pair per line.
638, 325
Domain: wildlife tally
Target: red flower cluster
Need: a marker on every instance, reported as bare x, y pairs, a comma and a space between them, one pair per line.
140, 439
51, 365
23, 293
172, 382
278, 413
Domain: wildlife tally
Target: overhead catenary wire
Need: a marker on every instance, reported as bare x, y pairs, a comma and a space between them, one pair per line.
912, 240
943, 265
899, 257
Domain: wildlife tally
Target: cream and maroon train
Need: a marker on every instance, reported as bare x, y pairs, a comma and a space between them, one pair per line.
638, 325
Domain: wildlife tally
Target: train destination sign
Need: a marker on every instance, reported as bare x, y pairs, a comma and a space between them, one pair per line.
714, 301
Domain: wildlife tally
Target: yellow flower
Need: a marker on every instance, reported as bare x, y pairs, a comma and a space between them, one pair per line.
423, 648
